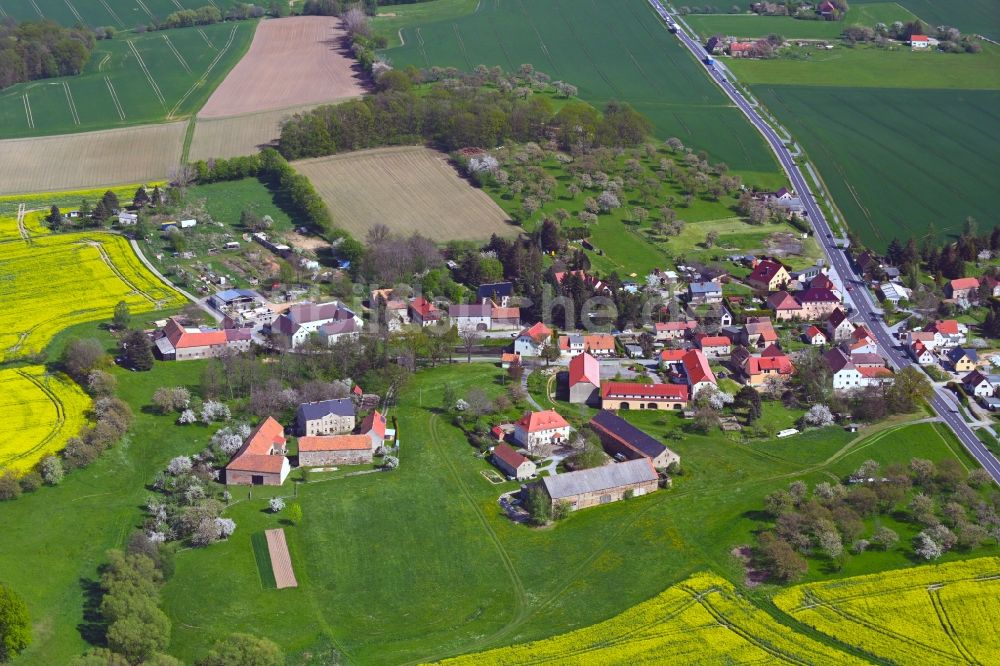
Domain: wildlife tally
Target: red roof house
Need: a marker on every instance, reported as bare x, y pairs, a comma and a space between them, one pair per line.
261, 460
584, 378
697, 370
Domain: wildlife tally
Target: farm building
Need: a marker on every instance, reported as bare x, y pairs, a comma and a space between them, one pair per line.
697, 371
538, 428
584, 379
625, 395
329, 321
325, 417
176, 342
261, 460
621, 438
322, 450
602, 485
512, 463
374, 427
818, 303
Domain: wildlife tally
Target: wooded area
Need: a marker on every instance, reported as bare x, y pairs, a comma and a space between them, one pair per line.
41, 50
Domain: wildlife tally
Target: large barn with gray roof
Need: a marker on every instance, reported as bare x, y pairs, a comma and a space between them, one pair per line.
602, 485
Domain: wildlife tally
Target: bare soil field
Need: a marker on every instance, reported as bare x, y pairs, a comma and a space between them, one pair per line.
90, 159
233, 136
408, 189
281, 561
291, 62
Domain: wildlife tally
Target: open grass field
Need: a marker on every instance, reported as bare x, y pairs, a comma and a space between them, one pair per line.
408, 189
291, 61
130, 80
41, 411
233, 136
609, 50
753, 25
500, 583
933, 614
44, 297
701, 620
898, 160
90, 159
877, 68
391, 20
120, 14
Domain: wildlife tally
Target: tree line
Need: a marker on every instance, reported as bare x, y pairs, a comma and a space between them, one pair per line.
41, 50
457, 110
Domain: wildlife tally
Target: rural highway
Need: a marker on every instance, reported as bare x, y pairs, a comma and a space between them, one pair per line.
853, 287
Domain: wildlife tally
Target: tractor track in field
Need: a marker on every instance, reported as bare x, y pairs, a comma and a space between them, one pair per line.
208, 70
106, 258
56, 428
177, 54
71, 103
72, 10
114, 98
113, 14
145, 70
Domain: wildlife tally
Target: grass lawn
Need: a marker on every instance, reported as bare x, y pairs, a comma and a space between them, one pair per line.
871, 67
393, 19
754, 26
225, 201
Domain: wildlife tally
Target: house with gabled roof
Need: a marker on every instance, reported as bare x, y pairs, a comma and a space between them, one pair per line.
768, 275
697, 371
325, 450
325, 417
471, 316
602, 485
962, 360
622, 440
176, 342
423, 312
584, 379
330, 322
947, 333
963, 289
758, 332
814, 336
761, 370
977, 384
784, 306
261, 460
499, 293
704, 292
532, 340
817, 303
540, 428
673, 330
375, 428
714, 346
633, 395
838, 326
921, 354
512, 463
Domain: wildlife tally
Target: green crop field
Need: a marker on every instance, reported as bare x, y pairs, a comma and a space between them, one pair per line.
617, 50
120, 14
132, 79
897, 161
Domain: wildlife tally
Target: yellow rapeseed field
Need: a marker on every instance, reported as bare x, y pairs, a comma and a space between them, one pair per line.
51, 282
702, 620
933, 614
40, 412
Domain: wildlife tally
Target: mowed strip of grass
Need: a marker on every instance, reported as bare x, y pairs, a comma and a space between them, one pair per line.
897, 161
262, 556
132, 79
609, 51
864, 66
380, 556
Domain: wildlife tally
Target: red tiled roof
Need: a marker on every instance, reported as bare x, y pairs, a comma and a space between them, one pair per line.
255, 454
181, 338
943, 326
676, 326
335, 443
424, 308
759, 364
696, 367
739, 47
257, 463
919, 38
599, 342
964, 283
836, 318
714, 341
507, 454
537, 332
649, 391
508, 357
821, 281
813, 331
374, 422
870, 372
782, 300
671, 355
584, 368
547, 420
772, 351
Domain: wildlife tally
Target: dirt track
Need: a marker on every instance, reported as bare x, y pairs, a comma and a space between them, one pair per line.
281, 562
408, 189
291, 62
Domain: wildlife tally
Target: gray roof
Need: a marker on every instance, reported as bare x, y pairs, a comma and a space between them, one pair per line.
704, 288
470, 310
310, 411
600, 478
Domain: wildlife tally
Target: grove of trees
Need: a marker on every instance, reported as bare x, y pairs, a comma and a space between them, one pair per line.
42, 49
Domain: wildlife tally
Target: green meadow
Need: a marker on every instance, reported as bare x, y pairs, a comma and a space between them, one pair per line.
608, 50
120, 14
129, 80
754, 25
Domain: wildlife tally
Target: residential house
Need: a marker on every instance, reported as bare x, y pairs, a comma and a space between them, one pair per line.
671, 357
977, 384
474, 317
375, 428
622, 440
602, 485
261, 460
630, 395
499, 293
758, 332
176, 342
962, 360
963, 289
814, 336
673, 330
714, 346
817, 303
923, 337
768, 276
505, 318
838, 326
784, 306
761, 371
512, 463
697, 371
847, 375
862, 341
741, 49
532, 340
397, 314
303, 320
584, 379
325, 417
326, 450
947, 333
508, 359
423, 312
921, 354
700, 293
918, 42
538, 428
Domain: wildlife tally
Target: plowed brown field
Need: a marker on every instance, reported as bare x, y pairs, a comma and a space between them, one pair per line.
281, 561
291, 62
408, 189
90, 159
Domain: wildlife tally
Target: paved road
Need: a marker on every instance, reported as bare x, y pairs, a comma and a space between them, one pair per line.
841, 271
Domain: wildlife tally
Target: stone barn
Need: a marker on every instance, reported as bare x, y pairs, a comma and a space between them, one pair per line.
602, 485
323, 451
261, 460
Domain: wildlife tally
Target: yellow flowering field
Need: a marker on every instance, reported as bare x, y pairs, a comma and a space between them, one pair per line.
702, 620
68, 199
933, 614
40, 412
59, 280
